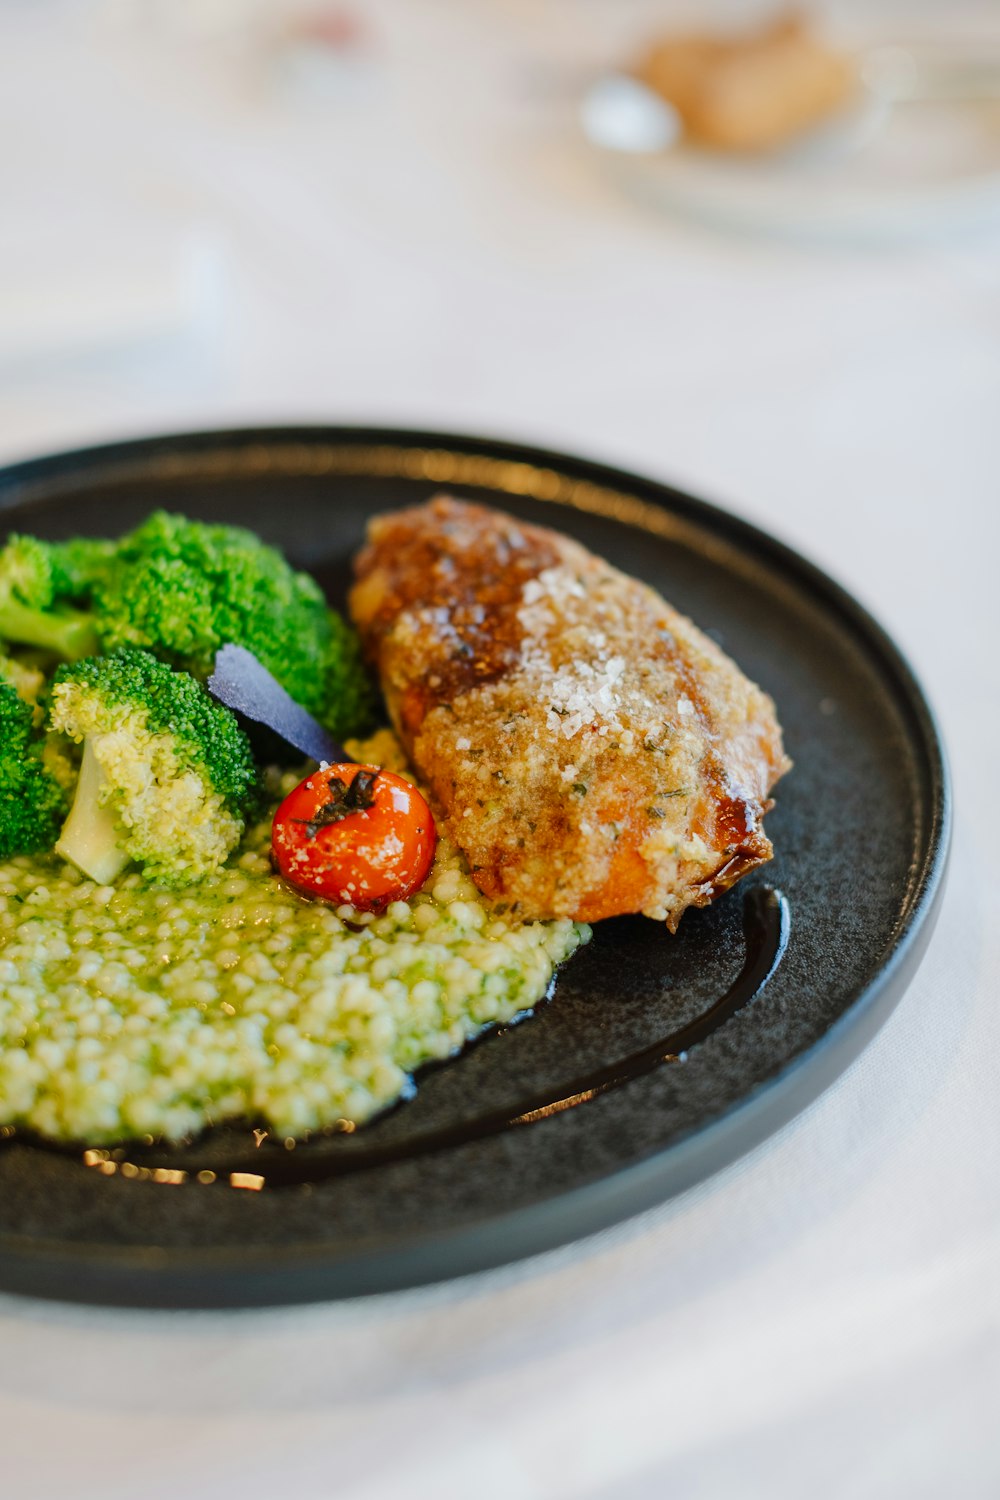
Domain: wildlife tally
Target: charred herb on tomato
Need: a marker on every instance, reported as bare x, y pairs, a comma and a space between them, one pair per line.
345, 798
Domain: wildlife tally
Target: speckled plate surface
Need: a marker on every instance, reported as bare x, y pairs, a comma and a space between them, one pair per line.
860, 829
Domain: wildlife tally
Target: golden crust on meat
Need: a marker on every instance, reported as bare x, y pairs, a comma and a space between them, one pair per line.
586, 746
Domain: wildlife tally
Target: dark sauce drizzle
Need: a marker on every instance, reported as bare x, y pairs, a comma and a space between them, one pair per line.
766, 928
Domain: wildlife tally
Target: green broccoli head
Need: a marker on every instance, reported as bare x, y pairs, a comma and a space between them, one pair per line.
81, 567
167, 777
33, 789
24, 674
183, 588
26, 572
31, 612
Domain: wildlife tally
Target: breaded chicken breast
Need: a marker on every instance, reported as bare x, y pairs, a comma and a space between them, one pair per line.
587, 747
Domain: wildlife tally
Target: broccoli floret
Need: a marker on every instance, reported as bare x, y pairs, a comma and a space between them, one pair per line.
25, 675
80, 567
167, 777
182, 589
30, 611
34, 793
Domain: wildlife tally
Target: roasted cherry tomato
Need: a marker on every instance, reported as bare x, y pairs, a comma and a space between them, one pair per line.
354, 835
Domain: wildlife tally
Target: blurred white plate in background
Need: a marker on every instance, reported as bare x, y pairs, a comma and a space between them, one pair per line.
881, 171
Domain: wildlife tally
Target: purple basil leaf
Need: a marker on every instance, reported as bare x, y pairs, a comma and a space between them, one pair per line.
245, 685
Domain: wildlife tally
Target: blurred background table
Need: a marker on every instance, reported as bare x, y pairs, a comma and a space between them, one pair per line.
207, 223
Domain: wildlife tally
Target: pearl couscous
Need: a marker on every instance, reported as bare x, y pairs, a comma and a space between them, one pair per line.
130, 1010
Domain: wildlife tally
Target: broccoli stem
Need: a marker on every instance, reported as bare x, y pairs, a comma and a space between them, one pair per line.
65, 632
89, 838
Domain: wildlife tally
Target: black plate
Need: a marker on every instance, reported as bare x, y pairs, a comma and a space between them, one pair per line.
860, 829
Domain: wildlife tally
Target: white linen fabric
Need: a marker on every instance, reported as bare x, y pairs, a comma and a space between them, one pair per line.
414, 233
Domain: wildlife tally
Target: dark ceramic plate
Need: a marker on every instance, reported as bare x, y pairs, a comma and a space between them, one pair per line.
861, 833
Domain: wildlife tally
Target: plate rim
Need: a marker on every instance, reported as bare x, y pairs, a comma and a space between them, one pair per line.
273, 1274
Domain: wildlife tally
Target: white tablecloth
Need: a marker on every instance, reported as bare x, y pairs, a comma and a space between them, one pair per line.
422, 239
